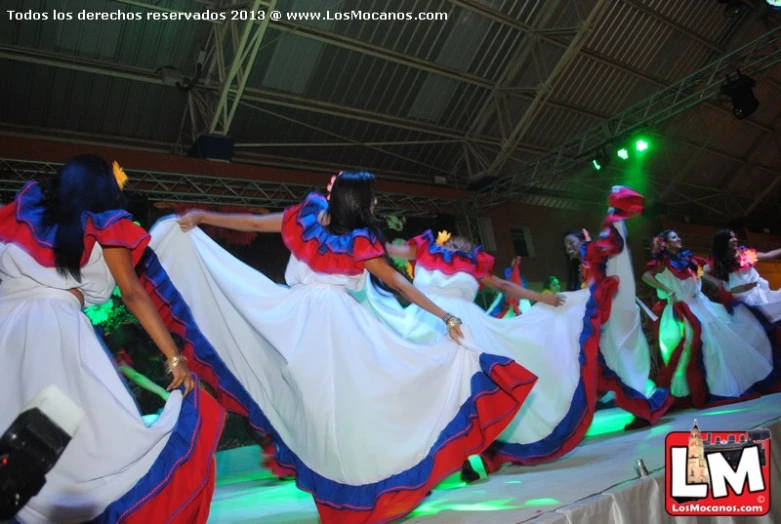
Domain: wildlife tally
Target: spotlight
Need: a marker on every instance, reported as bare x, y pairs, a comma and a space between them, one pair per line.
740, 89
641, 145
775, 4
623, 153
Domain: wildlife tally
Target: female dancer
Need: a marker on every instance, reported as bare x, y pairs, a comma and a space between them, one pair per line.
710, 355
63, 245
511, 306
552, 286
368, 422
734, 267
624, 357
558, 344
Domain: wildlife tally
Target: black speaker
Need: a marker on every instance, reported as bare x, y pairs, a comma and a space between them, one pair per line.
213, 147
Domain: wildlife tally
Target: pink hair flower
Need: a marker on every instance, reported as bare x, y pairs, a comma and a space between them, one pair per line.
330, 186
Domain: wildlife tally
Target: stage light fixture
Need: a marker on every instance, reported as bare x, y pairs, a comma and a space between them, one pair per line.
733, 8
740, 89
623, 153
775, 4
601, 159
641, 145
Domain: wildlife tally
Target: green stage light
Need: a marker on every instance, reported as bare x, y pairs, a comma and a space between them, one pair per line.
623, 153
596, 165
641, 145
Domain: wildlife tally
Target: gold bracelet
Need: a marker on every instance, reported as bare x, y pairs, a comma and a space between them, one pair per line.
451, 321
172, 362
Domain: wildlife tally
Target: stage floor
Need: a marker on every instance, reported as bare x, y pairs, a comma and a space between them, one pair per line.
604, 462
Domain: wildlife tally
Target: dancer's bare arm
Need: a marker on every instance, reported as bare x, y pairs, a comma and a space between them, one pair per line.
770, 255
649, 277
707, 277
707, 274
270, 223
140, 304
514, 290
407, 252
380, 269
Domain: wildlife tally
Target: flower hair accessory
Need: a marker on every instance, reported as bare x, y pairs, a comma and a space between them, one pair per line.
586, 236
442, 237
657, 245
746, 257
119, 175
330, 185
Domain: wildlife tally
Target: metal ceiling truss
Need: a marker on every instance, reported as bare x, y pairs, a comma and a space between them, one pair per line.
751, 59
189, 188
233, 47
230, 54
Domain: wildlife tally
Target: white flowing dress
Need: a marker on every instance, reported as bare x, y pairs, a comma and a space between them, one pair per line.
736, 352
369, 422
761, 296
558, 344
115, 466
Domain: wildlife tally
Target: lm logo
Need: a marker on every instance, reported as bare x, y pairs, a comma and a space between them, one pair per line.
717, 473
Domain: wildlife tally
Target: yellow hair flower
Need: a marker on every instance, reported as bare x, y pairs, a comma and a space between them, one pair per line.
120, 175
442, 237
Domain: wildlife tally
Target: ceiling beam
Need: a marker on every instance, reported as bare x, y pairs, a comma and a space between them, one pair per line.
263, 96
234, 78
675, 25
58, 152
522, 57
546, 89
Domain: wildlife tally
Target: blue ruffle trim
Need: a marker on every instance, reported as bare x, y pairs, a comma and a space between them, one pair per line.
578, 408
448, 255
31, 210
655, 402
177, 450
307, 217
325, 491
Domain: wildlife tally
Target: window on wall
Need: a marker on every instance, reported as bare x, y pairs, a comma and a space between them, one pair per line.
522, 241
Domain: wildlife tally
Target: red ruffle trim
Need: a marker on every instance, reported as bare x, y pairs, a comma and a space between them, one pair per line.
321, 259
698, 387
121, 233
187, 497
603, 297
477, 264
495, 411
681, 274
625, 203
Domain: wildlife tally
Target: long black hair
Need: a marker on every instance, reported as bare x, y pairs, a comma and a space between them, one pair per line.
350, 207
574, 276
724, 258
85, 184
